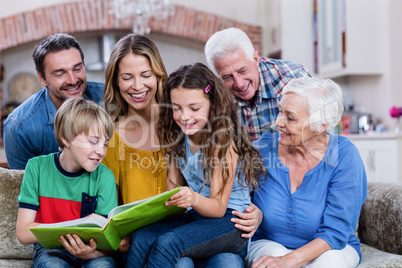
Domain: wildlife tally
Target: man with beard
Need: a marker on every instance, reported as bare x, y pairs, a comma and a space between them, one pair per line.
255, 82
60, 67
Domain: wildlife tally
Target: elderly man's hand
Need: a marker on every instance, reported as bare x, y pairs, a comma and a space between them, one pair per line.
248, 222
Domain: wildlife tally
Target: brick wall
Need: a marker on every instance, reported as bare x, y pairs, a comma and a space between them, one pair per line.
84, 16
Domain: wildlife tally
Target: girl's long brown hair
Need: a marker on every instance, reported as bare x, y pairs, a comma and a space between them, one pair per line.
223, 129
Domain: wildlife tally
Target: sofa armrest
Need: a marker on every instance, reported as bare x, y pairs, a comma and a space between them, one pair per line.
10, 248
380, 223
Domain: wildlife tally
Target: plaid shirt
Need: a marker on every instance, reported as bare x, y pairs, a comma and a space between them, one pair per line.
274, 75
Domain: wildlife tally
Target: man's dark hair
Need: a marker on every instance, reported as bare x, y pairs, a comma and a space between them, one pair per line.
53, 43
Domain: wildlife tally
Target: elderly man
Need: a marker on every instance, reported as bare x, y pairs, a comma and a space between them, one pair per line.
60, 67
255, 82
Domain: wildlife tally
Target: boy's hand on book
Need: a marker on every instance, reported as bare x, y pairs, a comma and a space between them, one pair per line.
93, 215
76, 247
125, 244
184, 198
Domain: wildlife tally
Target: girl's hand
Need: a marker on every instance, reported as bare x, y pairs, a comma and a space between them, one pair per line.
76, 247
249, 221
184, 198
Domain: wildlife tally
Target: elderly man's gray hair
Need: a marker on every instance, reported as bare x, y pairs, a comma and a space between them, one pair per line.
226, 42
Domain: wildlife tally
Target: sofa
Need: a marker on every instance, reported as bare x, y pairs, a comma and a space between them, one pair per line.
379, 230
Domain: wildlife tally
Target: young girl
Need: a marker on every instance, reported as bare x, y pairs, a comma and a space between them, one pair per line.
208, 151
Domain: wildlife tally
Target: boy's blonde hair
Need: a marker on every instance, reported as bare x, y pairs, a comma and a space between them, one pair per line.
77, 116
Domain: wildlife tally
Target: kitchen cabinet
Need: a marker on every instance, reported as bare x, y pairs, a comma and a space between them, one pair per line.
381, 155
347, 37
336, 38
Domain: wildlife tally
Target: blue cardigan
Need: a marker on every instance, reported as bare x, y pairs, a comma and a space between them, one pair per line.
326, 205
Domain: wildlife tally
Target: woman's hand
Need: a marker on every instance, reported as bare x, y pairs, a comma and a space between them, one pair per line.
76, 247
184, 198
272, 262
248, 221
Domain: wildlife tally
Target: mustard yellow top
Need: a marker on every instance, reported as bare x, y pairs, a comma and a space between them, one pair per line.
139, 174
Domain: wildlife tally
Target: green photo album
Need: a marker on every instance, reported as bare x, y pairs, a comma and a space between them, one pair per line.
108, 233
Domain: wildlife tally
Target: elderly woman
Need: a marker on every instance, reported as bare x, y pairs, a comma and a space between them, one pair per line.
316, 184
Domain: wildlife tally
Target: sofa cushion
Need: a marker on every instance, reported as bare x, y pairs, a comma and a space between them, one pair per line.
373, 257
381, 216
10, 247
15, 263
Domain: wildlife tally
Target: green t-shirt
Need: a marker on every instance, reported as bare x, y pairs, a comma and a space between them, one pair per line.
58, 195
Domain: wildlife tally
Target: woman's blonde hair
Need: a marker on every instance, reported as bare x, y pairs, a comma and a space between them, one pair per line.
77, 116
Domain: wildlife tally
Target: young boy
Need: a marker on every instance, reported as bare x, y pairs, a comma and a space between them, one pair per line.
69, 185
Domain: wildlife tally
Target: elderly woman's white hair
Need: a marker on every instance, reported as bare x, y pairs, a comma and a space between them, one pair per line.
226, 42
324, 100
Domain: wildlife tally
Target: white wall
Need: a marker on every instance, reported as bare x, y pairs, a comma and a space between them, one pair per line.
297, 33
178, 52
395, 53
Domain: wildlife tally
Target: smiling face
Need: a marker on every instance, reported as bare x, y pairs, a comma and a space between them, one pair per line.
85, 151
293, 121
137, 82
190, 110
239, 74
65, 75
